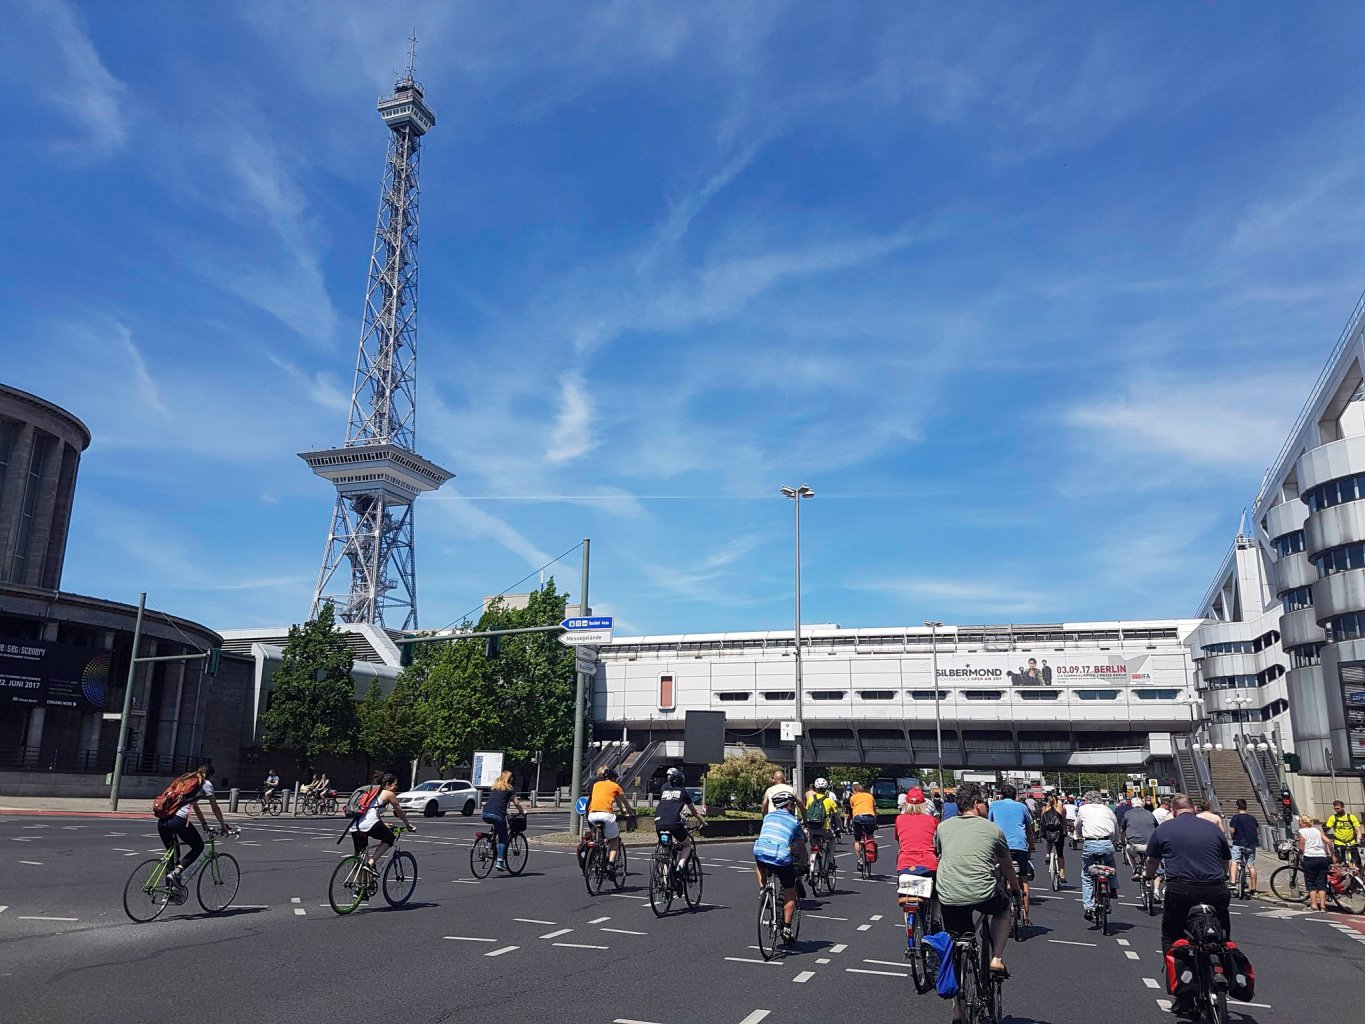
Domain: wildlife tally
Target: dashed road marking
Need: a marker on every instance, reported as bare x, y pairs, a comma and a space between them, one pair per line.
885, 963
3, 909
554, 934
888, 974
467, 938
500, 952
621, 931
751, 960
629, 1020
1131, 955
864, 927
822, 959
875, 917
532, 920
1068, 942
826, 917
595, 920
21, 918
839, 948
579, 945
624, 896
466, 881
1122, 942
35, 863
295, 899
300, 912
804, 977
755, 1017
1151, 983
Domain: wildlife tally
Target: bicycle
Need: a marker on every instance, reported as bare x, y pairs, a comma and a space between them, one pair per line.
838, 828
1287, 882
1241, 889
980, 993
822, 867
354, 882
865, 865
1102, 876
669, 879
1211, 981
593, 854
1054, 869
1016, 916
915, 894
771, 910
147, 893
258, 805
484, 853
318, 803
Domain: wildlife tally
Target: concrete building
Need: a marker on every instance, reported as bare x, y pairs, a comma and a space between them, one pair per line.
64, 657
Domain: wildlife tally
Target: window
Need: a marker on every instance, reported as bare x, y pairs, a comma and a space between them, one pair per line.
733, 695
1345, 627
1156, 694
1293, 600
983, 694
1305, 656
7, 432
1098, 694
1289, 544
1342, 559
876, 694
779, 695
1336, 492
667, 697
928, 694
1039, 694
827, 695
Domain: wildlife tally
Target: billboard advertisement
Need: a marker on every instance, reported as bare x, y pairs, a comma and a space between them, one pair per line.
1353, 700
1025, 669
41, 673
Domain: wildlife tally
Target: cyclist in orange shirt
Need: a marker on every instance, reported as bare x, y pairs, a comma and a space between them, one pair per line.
862, 808
606, 794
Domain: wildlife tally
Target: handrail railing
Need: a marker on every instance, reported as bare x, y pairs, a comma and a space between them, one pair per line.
1252, 764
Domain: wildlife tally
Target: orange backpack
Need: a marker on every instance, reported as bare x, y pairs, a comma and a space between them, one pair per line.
177, 794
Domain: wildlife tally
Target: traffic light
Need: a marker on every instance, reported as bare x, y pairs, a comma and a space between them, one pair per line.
213, 661
490, 647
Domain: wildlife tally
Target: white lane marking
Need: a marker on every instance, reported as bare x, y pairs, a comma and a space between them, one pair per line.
1150, 982
1068, 942
35, 863
500, 952
623, 896
21, 918
1122, 942
300, 912
554, 934
466, 881
888, 974
532, 920
467, 938
822, 959
35, 826
22, 839
1259, 1006
826, 917
3, 909
579, 945
282, 840
1165, 1005
628, 1020
111, 835
295, 899
804, 977
885, 963
123, 849
72, 828
621, 931
839, 948
751, 960
755, 1017
875, 917
1131, 955
864, 927
595, 920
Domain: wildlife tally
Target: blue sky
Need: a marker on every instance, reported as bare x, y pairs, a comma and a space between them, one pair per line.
1029, 295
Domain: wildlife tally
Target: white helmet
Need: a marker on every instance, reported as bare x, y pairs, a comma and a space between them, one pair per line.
821, 785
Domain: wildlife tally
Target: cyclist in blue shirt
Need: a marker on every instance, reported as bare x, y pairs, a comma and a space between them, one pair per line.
1014, 819
781, 849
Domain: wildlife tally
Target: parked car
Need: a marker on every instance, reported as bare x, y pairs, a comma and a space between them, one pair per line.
439, 796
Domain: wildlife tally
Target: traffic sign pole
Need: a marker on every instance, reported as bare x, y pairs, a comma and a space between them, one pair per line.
580, 698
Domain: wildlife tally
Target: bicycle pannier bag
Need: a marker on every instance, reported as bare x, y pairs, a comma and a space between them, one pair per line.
870, 850
946, 980
1181, 968
816, 813
1239, 973
176, 795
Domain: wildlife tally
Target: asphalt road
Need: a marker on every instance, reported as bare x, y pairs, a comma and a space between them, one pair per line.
538, 948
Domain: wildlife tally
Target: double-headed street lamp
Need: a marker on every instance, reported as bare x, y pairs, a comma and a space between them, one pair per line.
934, 626
797, 494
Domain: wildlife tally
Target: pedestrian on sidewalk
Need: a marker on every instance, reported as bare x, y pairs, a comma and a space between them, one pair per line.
1316, 851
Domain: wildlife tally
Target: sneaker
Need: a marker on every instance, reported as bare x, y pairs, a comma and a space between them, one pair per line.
787, 936
500, 865
174, 876
1089, 914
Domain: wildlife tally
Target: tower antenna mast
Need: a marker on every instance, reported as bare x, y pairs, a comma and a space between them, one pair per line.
369, 569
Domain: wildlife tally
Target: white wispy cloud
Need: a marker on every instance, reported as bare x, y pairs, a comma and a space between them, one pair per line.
474, 523
146, 388
572, 433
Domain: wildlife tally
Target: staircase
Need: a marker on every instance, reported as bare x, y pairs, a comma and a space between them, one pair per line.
1185, 770
1232, 783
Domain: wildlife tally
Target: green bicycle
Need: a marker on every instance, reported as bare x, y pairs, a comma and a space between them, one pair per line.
353, 882
147, 893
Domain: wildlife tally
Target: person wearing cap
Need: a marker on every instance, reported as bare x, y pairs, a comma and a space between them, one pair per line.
915, 828
781, 848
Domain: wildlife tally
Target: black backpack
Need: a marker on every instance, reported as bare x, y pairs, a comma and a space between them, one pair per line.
1053, 823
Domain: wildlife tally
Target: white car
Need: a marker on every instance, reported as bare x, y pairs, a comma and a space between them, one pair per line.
439, 796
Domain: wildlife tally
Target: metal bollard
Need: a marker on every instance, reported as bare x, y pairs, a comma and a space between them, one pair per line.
233, 795
295, 804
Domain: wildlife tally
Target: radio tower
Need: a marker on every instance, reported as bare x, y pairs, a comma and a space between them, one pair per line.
377, 472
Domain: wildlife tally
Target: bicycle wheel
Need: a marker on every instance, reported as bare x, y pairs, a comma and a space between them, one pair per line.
1217, 1008
347, 887
330, 807
144, 901
516, 854
1016, 917
1287, 885
692, 881
1102, 914
769, 923
276, 806
796, 922
218, 882
400, 878
482, 855
914, 948
595, 869
969, 987
660, 891
621, 867
252, 807
1055, 872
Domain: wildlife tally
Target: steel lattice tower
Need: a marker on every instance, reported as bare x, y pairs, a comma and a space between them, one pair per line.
377, 472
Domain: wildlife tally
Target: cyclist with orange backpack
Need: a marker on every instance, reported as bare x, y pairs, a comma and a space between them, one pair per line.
369, 826
172, 809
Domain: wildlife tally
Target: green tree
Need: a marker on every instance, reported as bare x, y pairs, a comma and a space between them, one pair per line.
312, 708
520, 701
739, 781
392, 727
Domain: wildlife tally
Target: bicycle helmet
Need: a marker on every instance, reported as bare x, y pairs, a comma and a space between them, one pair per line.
610, 775
675, 776
821, 785
779, 800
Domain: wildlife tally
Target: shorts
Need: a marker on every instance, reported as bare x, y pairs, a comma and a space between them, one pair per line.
379, 832
1055, 844
786, 873
608, 822
863, 826
1244, 855
1023, 864
677, 831
958, 920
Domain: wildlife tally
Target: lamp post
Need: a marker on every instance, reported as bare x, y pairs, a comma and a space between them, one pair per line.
934, 625
1241, 700
797, 494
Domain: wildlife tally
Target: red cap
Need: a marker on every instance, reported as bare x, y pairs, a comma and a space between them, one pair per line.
914, 796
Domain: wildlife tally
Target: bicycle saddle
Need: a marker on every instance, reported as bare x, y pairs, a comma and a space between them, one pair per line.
1101, 871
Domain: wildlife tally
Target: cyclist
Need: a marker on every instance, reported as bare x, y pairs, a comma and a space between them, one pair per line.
271, 784
370, 826
862, 809
1052, 824
1072, 808
673, 800
1015, 821
1346, 834
178, 828
1097, 828
915, 828
314, 786
1138, 825
821, 810
495, 805
606, 794
1245, 832
973, 859
780, 785
781, 849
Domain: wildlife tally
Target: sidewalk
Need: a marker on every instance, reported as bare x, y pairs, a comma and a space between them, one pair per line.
138, 807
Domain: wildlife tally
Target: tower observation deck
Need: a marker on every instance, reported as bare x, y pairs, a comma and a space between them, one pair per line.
369, 569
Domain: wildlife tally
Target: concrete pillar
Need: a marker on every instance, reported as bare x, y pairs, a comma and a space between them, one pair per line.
33, 737
43, 509
12, 497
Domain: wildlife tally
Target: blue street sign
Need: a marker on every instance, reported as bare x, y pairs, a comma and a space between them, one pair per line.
598, 622
582, 805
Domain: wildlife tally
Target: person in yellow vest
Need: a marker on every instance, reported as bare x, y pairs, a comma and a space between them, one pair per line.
1346, 834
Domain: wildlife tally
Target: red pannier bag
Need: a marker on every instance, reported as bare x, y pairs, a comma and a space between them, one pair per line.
870, 850
1181, 977
1237, 969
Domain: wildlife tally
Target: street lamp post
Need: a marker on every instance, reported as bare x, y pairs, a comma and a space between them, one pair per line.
934, 626
797, 494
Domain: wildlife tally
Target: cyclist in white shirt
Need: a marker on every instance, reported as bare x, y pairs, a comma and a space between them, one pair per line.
1096, 826
371, 827
178, 828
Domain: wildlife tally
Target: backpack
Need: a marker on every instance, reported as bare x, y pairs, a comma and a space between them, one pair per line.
177, 795
1053, 823
356, 806
817, 813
